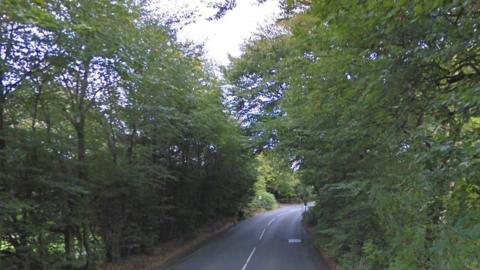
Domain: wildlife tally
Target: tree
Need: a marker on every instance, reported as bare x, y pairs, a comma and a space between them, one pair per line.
379, 112
108, 136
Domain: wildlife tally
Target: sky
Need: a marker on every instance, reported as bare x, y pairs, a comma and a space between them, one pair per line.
226, 35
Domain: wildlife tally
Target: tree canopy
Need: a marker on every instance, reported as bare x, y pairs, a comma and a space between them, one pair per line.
113, 136
377, 102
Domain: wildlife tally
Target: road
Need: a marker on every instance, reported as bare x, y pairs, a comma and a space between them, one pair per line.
273, 240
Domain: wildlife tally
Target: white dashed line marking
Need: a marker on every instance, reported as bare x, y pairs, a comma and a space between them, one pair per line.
270, 223
261, 235
248, 259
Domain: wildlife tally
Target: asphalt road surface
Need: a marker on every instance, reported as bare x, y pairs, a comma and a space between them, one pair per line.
274, 240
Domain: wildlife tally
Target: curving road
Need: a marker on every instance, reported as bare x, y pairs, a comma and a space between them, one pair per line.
273, 240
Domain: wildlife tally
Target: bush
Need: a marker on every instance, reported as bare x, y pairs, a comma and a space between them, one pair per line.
263, 200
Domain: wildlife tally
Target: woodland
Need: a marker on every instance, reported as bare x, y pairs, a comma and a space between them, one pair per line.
378, 105
115, 137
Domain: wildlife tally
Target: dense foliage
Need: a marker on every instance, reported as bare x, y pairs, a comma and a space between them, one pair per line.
276, 182
113, 137
262, 200
378, 102
279, 178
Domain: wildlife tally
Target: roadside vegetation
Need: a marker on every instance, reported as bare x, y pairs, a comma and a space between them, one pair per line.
378, 105
277, 182
113, 137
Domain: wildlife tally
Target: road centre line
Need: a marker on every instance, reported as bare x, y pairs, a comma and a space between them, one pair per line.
269, 223
248, 259
261, 235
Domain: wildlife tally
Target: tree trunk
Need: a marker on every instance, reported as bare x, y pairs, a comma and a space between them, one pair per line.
42, 251
86, 244
69, 246
131, 145
80, 128
112, 243
113, 230
111, 138
27, 264
2, 132
82, 176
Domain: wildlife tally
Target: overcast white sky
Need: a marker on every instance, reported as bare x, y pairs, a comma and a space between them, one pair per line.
226, 35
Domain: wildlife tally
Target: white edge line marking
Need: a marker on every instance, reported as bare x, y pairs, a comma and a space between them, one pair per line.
261, 235
248, 259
